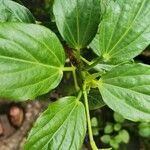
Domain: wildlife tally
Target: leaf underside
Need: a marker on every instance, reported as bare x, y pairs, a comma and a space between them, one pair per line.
126, 90
31, 58
61, 126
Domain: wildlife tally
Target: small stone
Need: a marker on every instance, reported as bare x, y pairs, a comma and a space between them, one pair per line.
16, 115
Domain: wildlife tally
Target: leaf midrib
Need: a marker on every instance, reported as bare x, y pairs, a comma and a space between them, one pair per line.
129, 106
51, 119
122, 49
72, 37
42, 43
113, 32
31, 84
75, 126
123, 88
126, 76
19, 46
77, 23
63, 122
29, 62
140, 9
13, 12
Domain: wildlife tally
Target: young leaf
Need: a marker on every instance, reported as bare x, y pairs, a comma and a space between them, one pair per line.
77, 20
124, 30
124, 136
104, 67
144, 129
61, 126
126, 89
95, 99
13, 12
105, 138
117, 127
118, 118
31, 58
108, 128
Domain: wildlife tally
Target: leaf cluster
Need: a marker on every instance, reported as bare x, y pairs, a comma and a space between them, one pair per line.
33, 61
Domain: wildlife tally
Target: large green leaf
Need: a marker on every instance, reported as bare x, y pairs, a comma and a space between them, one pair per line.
126, 89
62, 126
77, 20
13, 12
31, 58
124, 30
95, 99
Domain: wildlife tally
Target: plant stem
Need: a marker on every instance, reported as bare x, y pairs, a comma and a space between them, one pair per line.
92, 142
78, 54
79, 95
72, 69
68, 69
75, 80
94, 63
86, 61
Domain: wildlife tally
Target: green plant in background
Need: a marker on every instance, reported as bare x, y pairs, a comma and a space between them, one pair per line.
32, 63
144, 129
114, 133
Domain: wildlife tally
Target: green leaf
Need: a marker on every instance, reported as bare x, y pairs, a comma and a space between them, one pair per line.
108, 128
104, 67
145, 132
95, 131
114, 144
118, 138
13, 12
61, 126
124, 136
118, 118
77, 20
144, 129
117, 126
95, 99
94, 45
31, 61
124, 30
126, 90
94, 122
106, 138
144, 125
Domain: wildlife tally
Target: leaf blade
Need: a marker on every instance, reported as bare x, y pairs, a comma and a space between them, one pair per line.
125, 30
11, 11
76, 20
63, 116
121, 91
31, 58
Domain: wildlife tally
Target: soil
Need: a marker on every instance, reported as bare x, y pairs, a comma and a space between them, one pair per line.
13, 137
